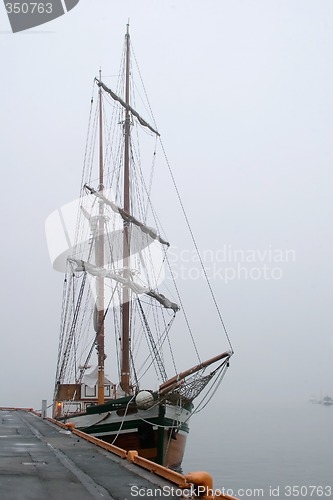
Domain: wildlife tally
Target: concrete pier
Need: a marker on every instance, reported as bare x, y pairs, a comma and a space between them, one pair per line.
40, 461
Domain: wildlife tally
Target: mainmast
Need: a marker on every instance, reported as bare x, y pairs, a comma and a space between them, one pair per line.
100, 262
125, 354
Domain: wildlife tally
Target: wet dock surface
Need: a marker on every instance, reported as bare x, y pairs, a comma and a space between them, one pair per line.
40, 461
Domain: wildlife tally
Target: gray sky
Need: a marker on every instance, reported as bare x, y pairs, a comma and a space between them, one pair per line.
242, 94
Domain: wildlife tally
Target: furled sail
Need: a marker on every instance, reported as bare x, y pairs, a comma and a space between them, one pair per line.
66, 240
135, 287
127, 217
126, 106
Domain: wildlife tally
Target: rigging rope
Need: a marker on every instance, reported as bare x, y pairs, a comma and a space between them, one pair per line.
196, 247
217, 382
186, 219
157, 356
87, 141
85, 366
159, 345
68, 346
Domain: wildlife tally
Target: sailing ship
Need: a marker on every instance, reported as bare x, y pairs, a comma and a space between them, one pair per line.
327, 401
116, 316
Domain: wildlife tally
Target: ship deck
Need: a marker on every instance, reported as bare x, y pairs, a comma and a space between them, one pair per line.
39, 460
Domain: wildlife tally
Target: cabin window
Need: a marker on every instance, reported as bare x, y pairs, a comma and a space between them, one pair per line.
107, 391
90, 392
72, 407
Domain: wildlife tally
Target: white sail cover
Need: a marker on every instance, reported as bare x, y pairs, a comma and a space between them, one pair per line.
71, 232
128, 218
66, 237
135, 287
91, 378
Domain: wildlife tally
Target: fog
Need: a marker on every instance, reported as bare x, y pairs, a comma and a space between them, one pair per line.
242, 95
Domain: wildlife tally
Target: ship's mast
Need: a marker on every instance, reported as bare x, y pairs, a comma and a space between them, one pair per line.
100, 262
125, 357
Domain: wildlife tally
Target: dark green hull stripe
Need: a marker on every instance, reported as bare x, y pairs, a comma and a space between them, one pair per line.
132, 424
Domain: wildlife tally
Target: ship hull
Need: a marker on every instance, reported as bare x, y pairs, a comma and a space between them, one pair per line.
158, 433
173, 447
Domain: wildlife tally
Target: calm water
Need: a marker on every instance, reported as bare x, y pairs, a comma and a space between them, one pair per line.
266, 449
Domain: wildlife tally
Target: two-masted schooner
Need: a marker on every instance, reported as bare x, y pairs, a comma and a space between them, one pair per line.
116, 314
